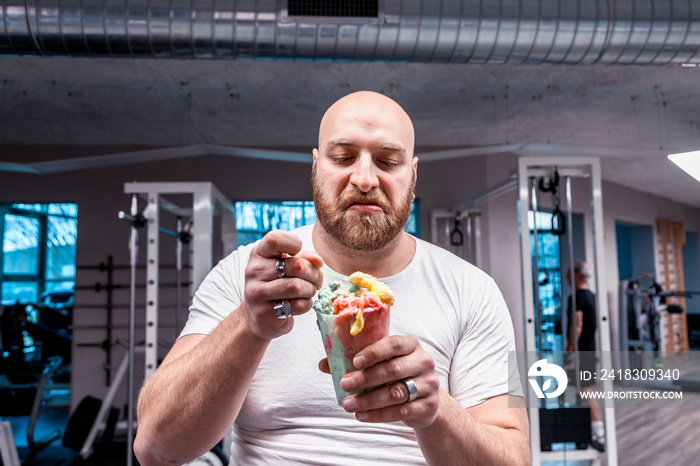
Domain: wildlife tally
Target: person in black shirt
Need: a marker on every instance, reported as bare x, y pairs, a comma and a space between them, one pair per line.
582, 327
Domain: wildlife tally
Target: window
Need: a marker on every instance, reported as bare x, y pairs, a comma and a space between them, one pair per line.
254, 219
38, 250
548, 278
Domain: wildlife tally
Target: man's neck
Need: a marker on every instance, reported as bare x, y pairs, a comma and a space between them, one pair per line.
385, 262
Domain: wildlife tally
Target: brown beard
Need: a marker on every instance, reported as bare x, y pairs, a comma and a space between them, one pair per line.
361, 232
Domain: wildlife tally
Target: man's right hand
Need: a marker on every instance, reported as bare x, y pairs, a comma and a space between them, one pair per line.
263, 289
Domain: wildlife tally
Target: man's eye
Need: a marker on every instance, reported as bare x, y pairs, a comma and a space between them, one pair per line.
388, 163
342, 158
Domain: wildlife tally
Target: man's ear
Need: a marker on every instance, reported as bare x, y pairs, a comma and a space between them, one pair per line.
315, 154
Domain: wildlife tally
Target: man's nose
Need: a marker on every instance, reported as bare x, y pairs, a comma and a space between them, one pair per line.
364, 175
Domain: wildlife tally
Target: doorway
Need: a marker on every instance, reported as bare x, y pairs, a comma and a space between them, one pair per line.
635, 250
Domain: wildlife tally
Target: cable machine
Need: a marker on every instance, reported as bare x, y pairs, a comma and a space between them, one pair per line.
459, 229
537, 174
458, 232
645, 315
207, 202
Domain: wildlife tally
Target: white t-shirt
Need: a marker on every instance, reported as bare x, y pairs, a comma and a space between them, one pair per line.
290, 414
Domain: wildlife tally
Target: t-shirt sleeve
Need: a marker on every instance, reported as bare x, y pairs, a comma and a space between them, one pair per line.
480, 368
588, 306
220, 293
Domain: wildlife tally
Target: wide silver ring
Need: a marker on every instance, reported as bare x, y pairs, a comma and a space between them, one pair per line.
412, 389
283, 309
280, 268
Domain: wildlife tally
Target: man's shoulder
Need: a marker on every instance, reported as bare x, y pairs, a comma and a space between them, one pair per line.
446, 270
447, 260
585, 296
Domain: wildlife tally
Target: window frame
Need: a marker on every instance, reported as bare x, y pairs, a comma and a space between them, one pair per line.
544, 235
40, 275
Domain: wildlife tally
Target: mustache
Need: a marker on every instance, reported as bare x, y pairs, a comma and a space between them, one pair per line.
375, 196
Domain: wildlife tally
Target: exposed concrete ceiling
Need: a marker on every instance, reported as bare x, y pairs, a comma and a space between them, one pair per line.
631, 117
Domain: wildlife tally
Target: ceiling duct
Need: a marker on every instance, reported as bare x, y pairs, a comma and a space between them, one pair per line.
469, 31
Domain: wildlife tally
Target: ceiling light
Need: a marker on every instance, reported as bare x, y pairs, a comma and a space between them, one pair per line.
689, 162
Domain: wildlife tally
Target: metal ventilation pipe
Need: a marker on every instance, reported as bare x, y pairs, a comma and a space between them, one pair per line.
469, 31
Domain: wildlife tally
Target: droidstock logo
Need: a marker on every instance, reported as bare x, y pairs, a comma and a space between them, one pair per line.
544, 369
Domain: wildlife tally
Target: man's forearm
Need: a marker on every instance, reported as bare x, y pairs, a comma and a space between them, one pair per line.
457, 438
191, 401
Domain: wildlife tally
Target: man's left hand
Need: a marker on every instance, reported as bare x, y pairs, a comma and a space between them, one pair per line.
384, 364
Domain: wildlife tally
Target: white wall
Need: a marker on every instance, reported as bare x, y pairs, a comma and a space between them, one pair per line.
502, 241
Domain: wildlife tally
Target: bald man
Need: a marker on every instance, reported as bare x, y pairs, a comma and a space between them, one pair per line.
238, 366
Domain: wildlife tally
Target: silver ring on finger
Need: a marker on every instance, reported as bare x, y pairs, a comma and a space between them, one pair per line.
283, 309
411, 387
279, 265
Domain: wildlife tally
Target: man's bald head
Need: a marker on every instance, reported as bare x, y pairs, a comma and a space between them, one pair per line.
364, 171
369, 108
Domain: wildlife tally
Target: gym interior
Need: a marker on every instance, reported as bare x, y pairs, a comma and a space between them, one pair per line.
129, 171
